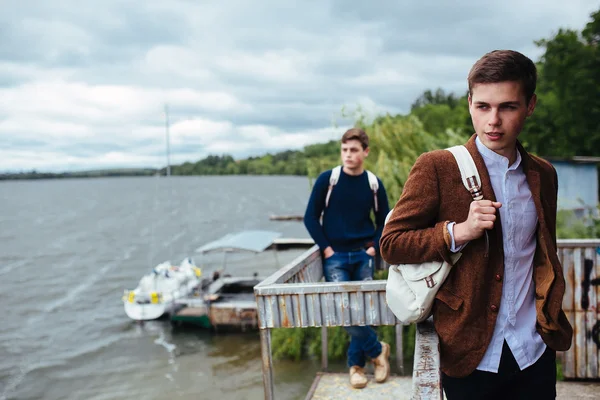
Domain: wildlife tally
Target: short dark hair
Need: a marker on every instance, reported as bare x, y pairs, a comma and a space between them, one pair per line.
356, 134
504, 65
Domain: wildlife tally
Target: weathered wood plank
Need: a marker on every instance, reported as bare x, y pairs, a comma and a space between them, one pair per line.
317, 309
302, 310
579, 327
590, 268
566, 259
427, 380
285, 273
267, 363
387, 316
569, 307
320, 287
357, 309
330, 316
399, 349
285, 312
577, 243
346, 318
337, 303
596, 327
361, 306
260, 304
314, 270
373, 316
310, 311
274, 308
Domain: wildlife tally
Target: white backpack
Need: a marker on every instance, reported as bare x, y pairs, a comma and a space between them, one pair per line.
411, 288
335, 176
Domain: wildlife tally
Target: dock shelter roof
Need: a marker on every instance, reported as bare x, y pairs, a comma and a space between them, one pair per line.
252, 240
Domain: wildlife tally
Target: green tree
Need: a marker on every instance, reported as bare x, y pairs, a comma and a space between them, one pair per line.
567, 117
396, 142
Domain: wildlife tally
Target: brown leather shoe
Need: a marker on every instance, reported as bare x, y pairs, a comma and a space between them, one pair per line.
382, 363
358, 379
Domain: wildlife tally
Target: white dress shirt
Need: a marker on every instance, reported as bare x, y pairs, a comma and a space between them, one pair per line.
516, 321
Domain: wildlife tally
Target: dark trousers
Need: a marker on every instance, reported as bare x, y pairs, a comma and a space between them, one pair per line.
537, 382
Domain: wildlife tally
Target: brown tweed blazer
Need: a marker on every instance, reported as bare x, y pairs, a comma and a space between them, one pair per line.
466, 306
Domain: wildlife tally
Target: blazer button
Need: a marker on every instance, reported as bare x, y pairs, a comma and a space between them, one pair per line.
498, 277
494, 308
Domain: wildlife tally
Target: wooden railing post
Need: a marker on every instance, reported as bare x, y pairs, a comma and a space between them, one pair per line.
324, 355
399, 349
427, 376
267, 363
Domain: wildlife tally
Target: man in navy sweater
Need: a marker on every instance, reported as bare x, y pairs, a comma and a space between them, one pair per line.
349, 241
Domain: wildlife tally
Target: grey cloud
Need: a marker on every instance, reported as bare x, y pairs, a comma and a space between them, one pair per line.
460, 28
118, 31
338, 44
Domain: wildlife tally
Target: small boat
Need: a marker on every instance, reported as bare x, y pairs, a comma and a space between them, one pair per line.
157, 292
228, 302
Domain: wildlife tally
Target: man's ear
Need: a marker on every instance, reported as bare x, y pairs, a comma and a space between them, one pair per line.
531, 105
470, 102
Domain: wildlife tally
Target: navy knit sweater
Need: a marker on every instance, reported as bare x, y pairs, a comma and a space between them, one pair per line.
347, 223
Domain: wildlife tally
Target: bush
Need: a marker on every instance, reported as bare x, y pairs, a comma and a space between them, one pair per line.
569, 226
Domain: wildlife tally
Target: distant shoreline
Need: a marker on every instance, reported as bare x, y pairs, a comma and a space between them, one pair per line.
82, 174
319, 156
92, 175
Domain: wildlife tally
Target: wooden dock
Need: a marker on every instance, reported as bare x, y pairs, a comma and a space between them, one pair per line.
333, 386
286, 217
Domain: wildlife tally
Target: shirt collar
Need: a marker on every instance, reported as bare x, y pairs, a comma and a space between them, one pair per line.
491, 157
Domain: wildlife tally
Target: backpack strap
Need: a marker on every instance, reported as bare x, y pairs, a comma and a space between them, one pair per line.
468, 171
335, 176
333, 179
374, 187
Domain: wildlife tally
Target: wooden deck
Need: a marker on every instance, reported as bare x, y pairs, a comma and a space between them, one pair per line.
333, 386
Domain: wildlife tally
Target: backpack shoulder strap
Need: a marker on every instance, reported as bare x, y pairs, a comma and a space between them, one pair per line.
335, 176
374, 184
333, 179
468, 171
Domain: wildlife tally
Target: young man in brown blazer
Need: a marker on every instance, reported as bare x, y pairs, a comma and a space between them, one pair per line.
499, 313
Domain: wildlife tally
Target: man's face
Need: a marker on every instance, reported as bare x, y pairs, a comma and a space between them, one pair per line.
353, 154
498, 111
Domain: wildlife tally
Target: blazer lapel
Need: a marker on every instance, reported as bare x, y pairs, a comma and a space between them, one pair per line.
533, 180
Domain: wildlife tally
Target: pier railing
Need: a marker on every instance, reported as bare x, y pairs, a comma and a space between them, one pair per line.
296, 297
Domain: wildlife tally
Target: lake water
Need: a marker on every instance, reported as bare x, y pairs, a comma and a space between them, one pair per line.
68, 249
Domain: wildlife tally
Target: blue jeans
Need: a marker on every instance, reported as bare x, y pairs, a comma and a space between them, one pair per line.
354, 266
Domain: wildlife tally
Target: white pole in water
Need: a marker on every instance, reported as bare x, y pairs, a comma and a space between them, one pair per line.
168, 140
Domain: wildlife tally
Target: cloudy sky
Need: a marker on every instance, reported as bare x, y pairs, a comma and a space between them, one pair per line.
83, 84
